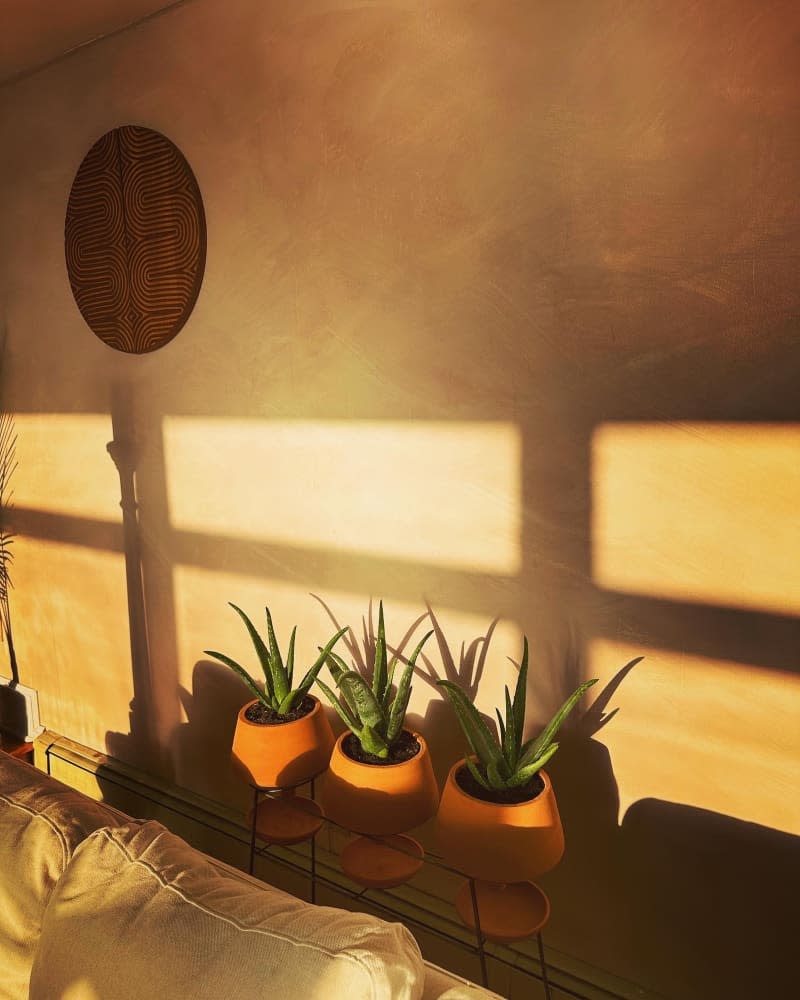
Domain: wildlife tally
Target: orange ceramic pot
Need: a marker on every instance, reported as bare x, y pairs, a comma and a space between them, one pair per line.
379, 799
284, 755
498, 842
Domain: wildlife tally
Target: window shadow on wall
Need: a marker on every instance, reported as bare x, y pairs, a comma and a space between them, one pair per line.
201, 746
603, 892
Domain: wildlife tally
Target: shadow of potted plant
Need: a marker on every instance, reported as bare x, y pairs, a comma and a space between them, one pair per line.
441, 725
380, 782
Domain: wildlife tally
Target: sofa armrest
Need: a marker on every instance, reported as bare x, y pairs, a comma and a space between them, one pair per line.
42, 822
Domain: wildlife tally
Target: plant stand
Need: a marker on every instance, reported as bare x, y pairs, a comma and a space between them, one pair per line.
496, 912
504, 913
280, 817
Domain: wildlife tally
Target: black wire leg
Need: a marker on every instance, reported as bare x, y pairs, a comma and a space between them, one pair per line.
479, 933
252, 864
545, 980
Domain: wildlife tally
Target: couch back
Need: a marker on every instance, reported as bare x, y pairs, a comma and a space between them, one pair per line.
95, 906
42, 822
155, 918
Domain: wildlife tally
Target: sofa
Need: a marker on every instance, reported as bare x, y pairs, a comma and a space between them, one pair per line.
95, 905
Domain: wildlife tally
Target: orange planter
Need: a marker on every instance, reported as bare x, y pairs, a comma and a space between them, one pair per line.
379, 799
497, 842
284, 755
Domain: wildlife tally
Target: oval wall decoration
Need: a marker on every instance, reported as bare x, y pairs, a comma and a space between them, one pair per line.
135, 239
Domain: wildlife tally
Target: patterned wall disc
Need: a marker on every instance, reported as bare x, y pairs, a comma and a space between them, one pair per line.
135, 239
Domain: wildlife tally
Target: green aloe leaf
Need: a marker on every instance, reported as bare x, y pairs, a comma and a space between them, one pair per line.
510, 737
369, 710
524, 774
373, 742
397, 713
237, 668
311, 674
476, 774
412, 660
520, 694
338, 669
289, 701
478, 734
260, 648
501, 726
344, 715
336, 665
495, 776
280, 681
540, 745
290, 659
274, 651
387, 694
379, 673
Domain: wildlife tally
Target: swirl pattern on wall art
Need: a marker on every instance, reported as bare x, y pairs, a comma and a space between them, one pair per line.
135, 239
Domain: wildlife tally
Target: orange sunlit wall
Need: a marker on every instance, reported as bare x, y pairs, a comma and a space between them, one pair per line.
443, 494
706, 514
469, 265
702, 512
68, 603
416, 496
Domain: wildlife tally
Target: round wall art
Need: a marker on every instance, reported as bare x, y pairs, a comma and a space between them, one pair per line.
135, 239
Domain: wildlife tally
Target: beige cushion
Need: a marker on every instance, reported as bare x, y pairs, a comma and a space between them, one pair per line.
41, 824
139, 913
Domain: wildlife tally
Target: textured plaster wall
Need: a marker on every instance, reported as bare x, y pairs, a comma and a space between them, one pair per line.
499, 311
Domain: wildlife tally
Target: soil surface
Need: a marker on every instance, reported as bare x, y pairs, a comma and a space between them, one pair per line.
264, 716
510, 796
404, 748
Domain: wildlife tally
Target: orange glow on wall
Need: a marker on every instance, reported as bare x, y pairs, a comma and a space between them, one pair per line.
699, 512
708, 733
70, 618
440, 493
64, 467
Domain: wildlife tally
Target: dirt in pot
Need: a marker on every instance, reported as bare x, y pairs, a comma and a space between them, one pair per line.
264, 716
507, 796
404, 748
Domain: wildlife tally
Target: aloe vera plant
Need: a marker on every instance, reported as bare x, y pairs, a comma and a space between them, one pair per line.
277, 693
374, 714
505, 762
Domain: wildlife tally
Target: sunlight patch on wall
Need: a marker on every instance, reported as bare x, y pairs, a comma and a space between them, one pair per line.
70, 620
699, 512
80, 989
713, 734
441, 493
64, 466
